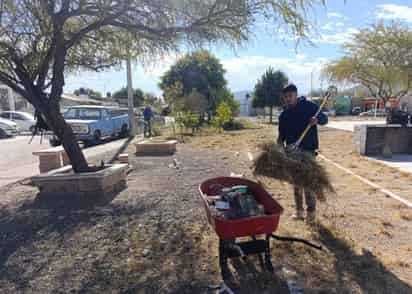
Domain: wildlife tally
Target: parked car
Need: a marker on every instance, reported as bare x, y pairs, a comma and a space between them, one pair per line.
397, 116
91, 124
356, 110
25, 121
379, 112
8, 128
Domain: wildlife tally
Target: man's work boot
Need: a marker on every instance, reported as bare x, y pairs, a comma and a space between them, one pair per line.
299, 215
311, 217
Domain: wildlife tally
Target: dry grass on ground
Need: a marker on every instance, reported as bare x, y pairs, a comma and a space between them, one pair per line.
154, 238
375, 223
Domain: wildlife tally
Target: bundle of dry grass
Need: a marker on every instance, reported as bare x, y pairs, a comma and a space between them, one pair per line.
297, 168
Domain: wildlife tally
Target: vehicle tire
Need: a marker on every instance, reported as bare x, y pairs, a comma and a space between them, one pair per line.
97, 136
54, 143
3, 134
124, 133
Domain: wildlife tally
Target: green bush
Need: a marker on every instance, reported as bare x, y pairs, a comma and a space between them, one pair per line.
223, 116
188, 120
157, 130
240, 124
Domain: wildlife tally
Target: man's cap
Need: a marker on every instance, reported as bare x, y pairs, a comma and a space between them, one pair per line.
290, 88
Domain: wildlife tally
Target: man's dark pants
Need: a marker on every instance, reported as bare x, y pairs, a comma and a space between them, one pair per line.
310, 198
147, 128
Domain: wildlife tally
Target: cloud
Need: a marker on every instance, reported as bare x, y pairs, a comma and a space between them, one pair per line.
330, 26
335, 15
393, 11
333, 26
336, 37
243, 72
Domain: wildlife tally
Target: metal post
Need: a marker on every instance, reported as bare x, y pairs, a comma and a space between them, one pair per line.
376, 106
12, 103
130, 104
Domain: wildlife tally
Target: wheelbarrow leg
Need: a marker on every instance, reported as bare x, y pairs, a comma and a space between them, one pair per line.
223, 260
268, 260
260, 256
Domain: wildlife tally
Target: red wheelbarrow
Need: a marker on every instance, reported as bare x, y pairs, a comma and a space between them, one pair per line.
254, 227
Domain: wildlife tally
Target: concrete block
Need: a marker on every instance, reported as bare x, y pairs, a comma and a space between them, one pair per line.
152, 147
124, 158
65, 159
61, 181
374, 139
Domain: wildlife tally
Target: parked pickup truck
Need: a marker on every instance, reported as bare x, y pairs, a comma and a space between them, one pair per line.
93, 123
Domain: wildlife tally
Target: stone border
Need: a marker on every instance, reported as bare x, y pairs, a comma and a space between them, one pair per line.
153, 147
110, 180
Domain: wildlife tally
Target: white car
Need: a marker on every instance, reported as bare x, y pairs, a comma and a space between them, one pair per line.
25, 121
8, 128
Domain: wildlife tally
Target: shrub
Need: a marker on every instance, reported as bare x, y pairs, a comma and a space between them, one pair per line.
240, 124
223, 116
157, 130
188, 120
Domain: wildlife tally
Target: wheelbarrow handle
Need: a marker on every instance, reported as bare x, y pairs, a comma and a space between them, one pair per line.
291, 239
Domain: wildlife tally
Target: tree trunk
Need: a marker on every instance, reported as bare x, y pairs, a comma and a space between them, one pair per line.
69, 142
271, 114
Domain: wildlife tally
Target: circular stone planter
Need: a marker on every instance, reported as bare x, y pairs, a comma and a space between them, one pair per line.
156, 147
109, 180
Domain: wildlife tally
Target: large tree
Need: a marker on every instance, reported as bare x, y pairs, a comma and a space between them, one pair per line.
138, 96
268, 90
42, 40
378, 57
89, 92
199, 74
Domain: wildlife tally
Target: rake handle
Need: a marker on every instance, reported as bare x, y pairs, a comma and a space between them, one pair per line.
302, 136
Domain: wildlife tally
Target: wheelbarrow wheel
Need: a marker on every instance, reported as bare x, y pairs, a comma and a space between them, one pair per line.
268, 260
224, 269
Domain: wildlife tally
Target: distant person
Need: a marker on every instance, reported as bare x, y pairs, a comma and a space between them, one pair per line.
297, 115
147, 117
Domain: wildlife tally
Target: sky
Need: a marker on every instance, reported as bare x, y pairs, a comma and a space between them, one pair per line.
334, 24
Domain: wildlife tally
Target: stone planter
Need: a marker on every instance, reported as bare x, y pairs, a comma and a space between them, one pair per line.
63, 181
124, 158
380, 139
152, 147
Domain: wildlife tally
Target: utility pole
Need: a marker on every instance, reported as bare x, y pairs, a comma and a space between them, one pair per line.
130, 104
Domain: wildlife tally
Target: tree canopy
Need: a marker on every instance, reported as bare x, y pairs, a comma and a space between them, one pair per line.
198, 76
89, 92
138, 96
268, 90
41, 41
378, 57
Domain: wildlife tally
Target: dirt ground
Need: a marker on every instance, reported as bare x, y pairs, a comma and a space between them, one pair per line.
154, 238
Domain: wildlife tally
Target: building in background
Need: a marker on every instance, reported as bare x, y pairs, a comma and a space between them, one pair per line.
10, 100
245, 102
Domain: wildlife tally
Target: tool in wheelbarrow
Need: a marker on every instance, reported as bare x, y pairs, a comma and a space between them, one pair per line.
260, 229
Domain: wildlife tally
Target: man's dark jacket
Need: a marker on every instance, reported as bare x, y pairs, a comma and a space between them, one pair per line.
293, 121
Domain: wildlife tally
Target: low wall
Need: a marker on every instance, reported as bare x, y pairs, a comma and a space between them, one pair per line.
371, 139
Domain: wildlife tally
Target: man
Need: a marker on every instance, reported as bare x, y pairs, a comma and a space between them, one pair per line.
147, 117
298, 114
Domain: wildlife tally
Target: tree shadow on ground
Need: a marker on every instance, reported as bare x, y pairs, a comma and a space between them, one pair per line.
49, 222
369, 273
121, 150
187, 268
